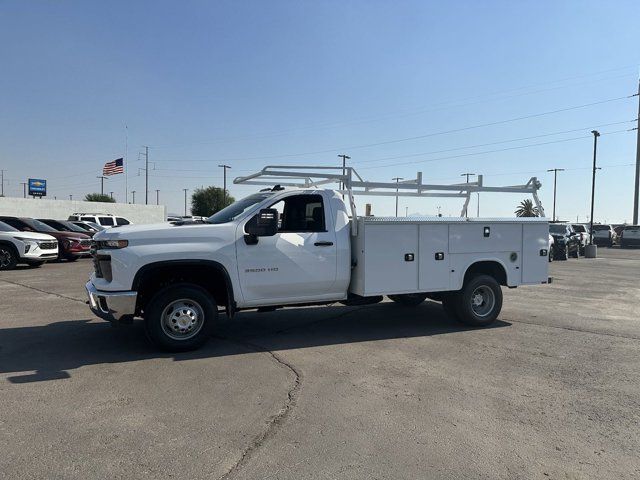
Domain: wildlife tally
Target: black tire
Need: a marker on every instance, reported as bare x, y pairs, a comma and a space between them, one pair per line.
449, 302
8, 257
491, 294
552, 254
409, 299
36, 264
188, 302
576, 254
564, 254
71, 258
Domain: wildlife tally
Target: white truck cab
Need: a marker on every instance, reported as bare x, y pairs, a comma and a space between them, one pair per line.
105, 220
299, 246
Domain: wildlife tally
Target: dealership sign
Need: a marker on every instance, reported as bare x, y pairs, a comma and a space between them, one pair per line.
37, 187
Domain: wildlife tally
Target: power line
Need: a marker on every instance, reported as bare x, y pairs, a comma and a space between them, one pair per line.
416, 137
489, 151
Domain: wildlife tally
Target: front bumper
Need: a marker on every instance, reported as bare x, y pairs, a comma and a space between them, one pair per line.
111, 306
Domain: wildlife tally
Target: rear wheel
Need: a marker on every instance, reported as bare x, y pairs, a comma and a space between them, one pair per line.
180, 317
480, 301
409, 299
576, 254
8, 257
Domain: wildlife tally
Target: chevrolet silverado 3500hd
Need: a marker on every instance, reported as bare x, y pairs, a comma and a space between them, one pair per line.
284, 247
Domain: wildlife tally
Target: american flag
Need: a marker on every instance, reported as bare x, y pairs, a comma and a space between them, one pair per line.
113, 167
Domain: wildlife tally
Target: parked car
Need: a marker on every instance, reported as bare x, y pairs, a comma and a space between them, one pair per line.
630, 236
604, 235
566, 241
583, 231
25, 247
65, 226
104, 219
71, 245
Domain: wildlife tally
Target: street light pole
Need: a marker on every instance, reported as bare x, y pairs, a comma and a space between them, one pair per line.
24, 189
133, 193
101, 177
466, 212
596, 134
224, 188
157, 197
111, 194
637, 184
344, 165
555, 179
185, 201
397, 179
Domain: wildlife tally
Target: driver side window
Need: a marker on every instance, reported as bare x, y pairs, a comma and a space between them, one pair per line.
301, 213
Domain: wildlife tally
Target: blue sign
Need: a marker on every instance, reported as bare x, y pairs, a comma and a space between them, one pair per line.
37, 187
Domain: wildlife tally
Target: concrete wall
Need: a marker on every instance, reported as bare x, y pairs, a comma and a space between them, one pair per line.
61, 209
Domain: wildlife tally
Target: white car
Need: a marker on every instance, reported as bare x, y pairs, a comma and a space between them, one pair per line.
25, 247
106, 220
630, 236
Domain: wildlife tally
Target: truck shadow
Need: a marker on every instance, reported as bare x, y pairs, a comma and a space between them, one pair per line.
49, 352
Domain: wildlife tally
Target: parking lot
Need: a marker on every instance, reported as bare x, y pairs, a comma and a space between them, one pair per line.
552, 390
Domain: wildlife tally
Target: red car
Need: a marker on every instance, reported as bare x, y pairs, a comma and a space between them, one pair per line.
71, 245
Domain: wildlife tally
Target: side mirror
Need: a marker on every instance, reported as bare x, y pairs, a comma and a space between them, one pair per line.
264, 224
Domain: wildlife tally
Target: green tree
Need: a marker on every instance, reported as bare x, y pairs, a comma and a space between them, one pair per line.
526, 209
207, 201
98, 197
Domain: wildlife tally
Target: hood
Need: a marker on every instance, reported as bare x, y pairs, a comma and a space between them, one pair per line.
163, 232
28, 235
65, 235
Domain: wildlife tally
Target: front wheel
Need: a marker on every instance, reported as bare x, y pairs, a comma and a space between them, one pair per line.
8, 257
36, 264
180, 317
480, 301
409, 299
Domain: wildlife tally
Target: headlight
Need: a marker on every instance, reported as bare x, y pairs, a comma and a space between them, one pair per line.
112, 244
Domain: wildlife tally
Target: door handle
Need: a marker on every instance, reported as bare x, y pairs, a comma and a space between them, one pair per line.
323, 244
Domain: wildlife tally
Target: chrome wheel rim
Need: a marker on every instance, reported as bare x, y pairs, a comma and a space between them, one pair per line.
5, 258
483, 301
182, 319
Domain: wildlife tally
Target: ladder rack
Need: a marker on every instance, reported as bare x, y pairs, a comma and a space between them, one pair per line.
351, 183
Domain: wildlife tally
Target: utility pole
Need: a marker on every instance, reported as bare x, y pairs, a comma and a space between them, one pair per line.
596, 134
466, 213
146, 175
224, 188
133, 192
70, 197
185, 201
101, 177
24, 189
111, 195
157, 197
397, 179
637, 184
406, 211
344, 164
555, 180
1, 183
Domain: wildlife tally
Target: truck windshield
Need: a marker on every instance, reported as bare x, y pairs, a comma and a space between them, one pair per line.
236, 209
601, 227
558, 229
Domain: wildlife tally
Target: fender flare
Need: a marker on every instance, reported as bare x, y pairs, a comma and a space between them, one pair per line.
231, 302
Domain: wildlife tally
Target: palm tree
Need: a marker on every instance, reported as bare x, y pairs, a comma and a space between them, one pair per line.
526, 209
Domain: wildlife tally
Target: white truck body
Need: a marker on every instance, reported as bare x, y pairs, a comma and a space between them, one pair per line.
311, 259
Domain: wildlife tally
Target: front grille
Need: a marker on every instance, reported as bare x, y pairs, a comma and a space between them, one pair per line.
48, 245
85, 243
102, 266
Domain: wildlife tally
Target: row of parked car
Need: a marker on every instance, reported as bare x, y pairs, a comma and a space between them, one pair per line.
34, 241
570, 239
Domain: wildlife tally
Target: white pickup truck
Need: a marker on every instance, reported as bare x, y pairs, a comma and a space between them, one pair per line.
284, 247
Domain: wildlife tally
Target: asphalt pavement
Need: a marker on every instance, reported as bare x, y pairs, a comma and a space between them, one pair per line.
551, 390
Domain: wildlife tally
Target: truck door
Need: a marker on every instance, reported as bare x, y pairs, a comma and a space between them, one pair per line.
299, 262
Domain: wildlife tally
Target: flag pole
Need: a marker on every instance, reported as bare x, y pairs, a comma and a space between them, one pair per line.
126, 164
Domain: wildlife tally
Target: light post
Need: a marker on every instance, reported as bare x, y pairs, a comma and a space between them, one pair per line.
555, 180
397, 179
157, 197
596, 134
185, 200
133, 194
224, 188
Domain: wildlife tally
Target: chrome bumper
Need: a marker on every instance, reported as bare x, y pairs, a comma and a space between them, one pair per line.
111, 306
